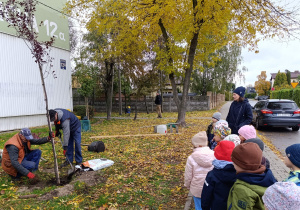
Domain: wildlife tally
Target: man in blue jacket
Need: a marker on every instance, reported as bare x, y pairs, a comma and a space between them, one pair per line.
71, 127
240, 111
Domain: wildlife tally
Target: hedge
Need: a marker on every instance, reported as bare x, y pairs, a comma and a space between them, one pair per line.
291, 94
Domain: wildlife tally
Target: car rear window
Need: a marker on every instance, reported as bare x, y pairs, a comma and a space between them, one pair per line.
282, 105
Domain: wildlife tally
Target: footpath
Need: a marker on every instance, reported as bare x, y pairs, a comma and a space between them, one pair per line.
277, 166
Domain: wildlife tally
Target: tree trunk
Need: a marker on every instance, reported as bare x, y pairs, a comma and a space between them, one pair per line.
49, 125
147, 110
125, 100
109, 87
86, 100
170, 62
120, 91
135, 105
189, 69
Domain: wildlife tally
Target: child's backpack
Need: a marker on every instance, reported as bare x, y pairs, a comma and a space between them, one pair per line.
96, 146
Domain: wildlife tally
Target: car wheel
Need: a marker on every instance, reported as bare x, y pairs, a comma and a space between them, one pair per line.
295, 128
257, 126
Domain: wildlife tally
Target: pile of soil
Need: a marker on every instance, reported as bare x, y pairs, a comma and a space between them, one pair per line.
89, 178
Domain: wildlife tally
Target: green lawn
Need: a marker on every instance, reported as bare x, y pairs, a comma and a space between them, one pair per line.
148, 170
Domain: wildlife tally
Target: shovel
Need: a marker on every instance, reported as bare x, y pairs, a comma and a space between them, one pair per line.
71, 171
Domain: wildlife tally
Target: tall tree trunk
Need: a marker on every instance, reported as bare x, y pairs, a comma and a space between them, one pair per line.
125, 99
189, 69
135, 105
147, 110
109, 89
170, 62
161, 92
120, 91
86, 100
49, 125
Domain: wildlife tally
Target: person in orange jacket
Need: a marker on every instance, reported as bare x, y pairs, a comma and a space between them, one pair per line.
18, 159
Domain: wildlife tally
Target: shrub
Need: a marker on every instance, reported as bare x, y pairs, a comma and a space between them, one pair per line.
296, 96
80, 111
275, 94
286, 94
250, 95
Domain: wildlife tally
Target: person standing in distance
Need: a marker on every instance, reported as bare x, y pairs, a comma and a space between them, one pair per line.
240, 111
71, 127
158, 104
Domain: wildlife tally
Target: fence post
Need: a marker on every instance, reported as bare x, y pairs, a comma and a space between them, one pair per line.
152, 104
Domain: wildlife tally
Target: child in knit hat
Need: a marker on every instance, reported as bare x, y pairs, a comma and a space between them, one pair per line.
292, 160
209, 132
198, 164
221, 130
234, 138
247, 132
260, 143
219, 181
252, 178
282, 195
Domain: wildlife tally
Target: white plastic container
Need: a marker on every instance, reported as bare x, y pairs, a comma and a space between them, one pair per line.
162, 129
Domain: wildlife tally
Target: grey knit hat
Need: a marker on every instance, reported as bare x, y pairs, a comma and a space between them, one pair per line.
257, 141
217, 116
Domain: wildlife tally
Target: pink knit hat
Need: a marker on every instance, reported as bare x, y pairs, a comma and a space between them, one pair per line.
247, 131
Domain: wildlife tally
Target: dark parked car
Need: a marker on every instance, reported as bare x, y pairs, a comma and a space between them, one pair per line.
262, 98
276, 113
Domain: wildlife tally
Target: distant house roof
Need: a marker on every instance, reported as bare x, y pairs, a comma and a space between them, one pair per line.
294, 75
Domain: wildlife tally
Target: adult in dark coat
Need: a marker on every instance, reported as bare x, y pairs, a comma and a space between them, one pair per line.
240, 112
158, 104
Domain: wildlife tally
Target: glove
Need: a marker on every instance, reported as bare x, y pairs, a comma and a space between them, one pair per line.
58, 133
65, 151
30, 175
51, 135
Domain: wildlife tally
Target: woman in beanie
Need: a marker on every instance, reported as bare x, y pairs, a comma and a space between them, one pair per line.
240, 112
219, 181
282, 195
198, 164
292, 160
252, 178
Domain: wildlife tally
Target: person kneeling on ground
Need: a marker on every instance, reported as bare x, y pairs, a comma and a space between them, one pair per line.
18, 159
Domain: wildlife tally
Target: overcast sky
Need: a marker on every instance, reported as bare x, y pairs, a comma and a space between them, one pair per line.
273, 56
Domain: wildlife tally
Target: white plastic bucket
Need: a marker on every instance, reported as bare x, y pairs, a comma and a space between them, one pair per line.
162, 129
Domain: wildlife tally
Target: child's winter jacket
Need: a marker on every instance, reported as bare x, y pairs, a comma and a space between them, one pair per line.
198, 164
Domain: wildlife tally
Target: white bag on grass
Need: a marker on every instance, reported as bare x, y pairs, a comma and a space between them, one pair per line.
97, 164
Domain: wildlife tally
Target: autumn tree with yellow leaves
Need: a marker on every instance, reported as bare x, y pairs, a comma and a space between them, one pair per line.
181, 34
262, 86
